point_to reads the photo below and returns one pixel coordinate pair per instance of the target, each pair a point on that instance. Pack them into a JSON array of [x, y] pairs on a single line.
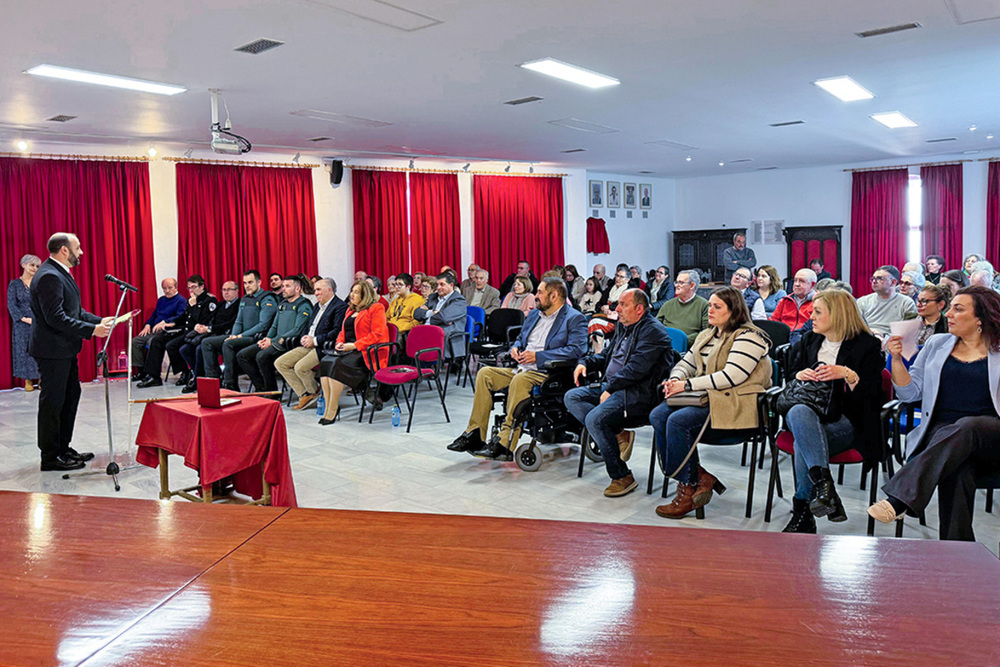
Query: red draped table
[[236, 440]]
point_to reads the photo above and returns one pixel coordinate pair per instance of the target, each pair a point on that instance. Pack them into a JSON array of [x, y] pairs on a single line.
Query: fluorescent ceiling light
[[83, 76], [893, 120], [845, 89], [571, 73]]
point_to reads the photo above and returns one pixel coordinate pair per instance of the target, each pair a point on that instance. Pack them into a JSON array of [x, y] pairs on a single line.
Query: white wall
[[636, 240], [806, 197]]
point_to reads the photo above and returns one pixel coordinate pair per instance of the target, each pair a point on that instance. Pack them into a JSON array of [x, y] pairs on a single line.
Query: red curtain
[[435, 231], [992, 216], [234, 218], [381, 242], [106, 204], [941, 211], [517, 217], [597, 237], [878, 224]]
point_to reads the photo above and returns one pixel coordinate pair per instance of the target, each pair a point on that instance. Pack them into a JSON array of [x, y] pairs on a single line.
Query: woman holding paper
[[956, 376]]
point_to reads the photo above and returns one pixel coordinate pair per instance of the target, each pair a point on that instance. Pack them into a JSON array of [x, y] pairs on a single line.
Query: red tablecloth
[[219, 443]]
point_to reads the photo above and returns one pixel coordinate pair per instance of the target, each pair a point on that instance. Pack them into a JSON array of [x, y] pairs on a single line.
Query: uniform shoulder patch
[[211, 306]]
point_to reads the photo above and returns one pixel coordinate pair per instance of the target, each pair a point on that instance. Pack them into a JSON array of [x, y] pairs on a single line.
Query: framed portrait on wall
[[614, 194], [596, 194], [645, 195], [630, 195]]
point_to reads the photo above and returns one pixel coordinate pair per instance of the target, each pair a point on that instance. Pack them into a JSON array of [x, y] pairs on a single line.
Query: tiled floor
[[378, 467]]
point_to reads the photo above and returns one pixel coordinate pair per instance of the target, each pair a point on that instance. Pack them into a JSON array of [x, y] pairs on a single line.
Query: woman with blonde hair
[[348, 366], [842, 350]]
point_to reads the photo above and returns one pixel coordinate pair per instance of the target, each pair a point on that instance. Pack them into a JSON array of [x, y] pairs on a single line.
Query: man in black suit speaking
[[58, 328]]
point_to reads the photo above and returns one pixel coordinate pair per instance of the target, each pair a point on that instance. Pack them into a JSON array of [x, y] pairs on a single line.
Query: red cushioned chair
[[785, 442], [425, 345]]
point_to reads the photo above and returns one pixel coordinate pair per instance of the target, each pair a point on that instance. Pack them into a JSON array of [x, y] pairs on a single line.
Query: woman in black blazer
[[851, 357]]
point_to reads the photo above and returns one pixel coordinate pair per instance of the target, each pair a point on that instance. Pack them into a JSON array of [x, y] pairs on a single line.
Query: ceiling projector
[[225, 145]]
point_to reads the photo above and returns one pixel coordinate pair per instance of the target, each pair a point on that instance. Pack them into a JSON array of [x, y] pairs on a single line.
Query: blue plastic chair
[[678, 339]]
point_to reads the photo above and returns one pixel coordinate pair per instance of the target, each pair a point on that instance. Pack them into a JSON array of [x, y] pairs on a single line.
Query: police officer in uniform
[[287, 328], [257, 309], [222, 323]]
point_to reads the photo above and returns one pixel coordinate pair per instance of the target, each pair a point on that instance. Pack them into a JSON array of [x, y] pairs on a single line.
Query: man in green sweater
[[290, 322], [686, 311]]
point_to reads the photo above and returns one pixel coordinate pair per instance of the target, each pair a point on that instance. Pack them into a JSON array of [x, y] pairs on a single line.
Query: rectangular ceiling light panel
[[676, 145], [572, 73], [341, 118], [584, 126], [96, 78], [893, 120], [845, 89], [381, 12]]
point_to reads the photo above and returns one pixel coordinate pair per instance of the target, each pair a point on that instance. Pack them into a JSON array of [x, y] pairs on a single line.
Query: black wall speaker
[[336, 172]]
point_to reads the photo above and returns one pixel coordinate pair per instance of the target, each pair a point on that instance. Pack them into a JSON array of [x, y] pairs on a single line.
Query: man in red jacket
[[796, 308]]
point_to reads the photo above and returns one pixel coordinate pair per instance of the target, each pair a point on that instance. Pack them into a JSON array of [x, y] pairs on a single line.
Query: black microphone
[[121, 283]]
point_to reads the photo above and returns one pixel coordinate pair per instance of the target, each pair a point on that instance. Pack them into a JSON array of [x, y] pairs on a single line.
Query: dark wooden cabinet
[[703, 250]]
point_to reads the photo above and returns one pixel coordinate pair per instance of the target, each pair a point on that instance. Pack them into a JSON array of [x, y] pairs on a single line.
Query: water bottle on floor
[[321, 406], [395, 415], [122, 361]]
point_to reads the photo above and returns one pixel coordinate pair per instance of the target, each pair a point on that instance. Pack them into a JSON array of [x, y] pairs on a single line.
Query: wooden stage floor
[[100, 581]]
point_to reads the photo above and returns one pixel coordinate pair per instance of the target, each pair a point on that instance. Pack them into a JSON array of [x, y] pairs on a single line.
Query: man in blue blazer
[[446, 308], [554, 331], [58, 328]]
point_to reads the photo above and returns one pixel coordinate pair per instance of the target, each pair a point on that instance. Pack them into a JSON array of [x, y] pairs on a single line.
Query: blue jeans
[[675, 430], [815, 443], [604, 421]]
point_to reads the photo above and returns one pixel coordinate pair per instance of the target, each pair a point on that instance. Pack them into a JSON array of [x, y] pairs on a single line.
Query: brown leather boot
[[707, 482], [681, 505]]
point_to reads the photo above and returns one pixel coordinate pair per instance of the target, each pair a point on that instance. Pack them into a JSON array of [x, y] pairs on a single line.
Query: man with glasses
[[911, 283], [796, 308], [168, 308], [885, 305], [686, 311], [741, 280], [189, 354]]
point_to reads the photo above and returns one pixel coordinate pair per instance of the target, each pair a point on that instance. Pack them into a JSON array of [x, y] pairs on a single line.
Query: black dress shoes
[[73, 454], [150, 381], [62, 463], [824, 501], [190, 387], [467, 442], [185, 379], [494, 451], [802, 519]]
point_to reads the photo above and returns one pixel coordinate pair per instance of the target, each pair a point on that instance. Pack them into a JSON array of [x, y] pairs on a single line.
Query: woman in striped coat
[[729, 361]]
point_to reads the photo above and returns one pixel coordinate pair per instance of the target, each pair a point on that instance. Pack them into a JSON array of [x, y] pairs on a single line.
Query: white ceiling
[[712, 74]]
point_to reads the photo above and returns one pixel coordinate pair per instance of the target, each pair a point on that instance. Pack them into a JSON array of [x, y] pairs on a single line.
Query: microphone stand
[[113, 469]]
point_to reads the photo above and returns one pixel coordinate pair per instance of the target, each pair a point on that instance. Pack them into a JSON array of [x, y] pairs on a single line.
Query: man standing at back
[[737, 256], [59, 326]]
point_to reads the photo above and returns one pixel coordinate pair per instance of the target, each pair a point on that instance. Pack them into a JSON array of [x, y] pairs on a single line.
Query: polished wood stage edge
[[322, 587], [77, 572]]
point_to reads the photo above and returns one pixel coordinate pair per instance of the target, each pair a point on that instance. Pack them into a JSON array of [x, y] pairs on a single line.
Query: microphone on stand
[[121, 283]]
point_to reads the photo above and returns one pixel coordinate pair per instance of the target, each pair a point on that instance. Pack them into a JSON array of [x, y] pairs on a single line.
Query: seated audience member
[[201, 305], [480, 293], [523, 271], [825, 284], [885, 305], [348, 366], [376, 284], [168, 308], [952, 281], [914, 266], [288, 326], [418, 282], [470, 281], [686, 311], [769, 293], [359, 275], [590, 298], [935, 267], [851, 358], [795, 309], [391, 289], [256, 311], [552, 332], [574, 283], [956, 377], [446, 308], [932, 302], [601, 278], [911, 283], [298, 365], [603, 323], [982, 274], [968, 262], [660, 289], [817, 266], [741, 280], [406, 302], [221, 324], [635, 278], [427, 288], [521, 296], [633, 362], [313, 279], [728, 360], [275, 283]]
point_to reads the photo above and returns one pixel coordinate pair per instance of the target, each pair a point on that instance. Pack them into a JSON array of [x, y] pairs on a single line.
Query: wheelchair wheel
[[528, 458], [591, 450]]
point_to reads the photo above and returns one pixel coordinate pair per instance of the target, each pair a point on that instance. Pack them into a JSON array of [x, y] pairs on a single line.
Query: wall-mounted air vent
[[887, 30], [524, 100], [61, 118], [259, 46], [941, 140]]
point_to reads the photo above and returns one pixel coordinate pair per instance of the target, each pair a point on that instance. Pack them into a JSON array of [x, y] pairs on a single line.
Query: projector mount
[[224, 141]]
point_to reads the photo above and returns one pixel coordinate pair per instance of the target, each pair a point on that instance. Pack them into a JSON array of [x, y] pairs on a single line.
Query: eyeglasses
[[879, 279], [904, 282], [678, 283], [924, 302]]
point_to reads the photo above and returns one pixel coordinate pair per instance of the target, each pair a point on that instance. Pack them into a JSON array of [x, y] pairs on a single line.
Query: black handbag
[[822, 397]]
